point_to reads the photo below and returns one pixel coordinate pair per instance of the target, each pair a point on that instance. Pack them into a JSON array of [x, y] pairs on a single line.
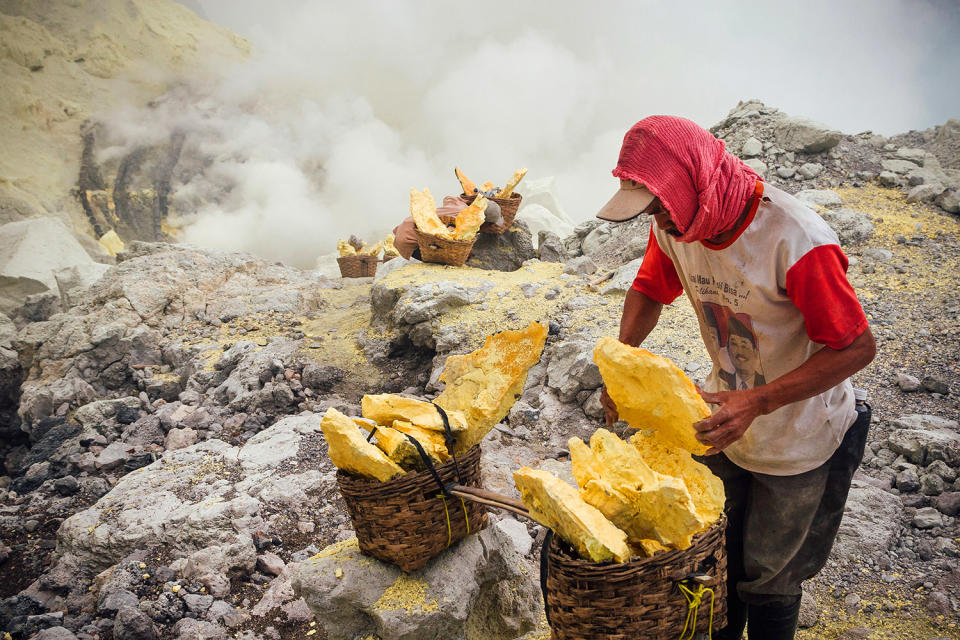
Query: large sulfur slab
[[555, 504], [423, 209], [469, 220], [350, 451], [485, 384], [615, 479], [384, 408], [651, 393], [433, 442], [507, 190], [705, 489]]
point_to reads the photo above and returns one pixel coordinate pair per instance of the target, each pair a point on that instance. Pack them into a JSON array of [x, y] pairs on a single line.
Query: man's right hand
[[609, 407]]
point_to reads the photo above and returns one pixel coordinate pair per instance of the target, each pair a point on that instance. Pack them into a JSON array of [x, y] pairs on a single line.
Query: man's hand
[[609, 407], [737, 411]]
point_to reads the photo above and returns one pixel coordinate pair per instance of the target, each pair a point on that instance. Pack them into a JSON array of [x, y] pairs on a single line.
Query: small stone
[[851, 600], [932, 484], [948, 503], [935, 385], [786, 172], [927, 518], [180, 438], [810, 170], [751, 148], [942, 469], [270, 563], [305, 526], [908, 481], [938, 604], [907, 382], [66, 486]]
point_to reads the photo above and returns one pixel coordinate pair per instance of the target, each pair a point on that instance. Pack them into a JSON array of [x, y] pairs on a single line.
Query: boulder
[[810, 170], [539, 195], [949, 201], [925, 446], [74, 280], [31, 251], [851, 227], [596, 238], [571, 369], [484, 588], [804, 134], [751, 148], [817, 198], [757, 165], [204, 502], [506, 251], [870, 520], [623, 277]]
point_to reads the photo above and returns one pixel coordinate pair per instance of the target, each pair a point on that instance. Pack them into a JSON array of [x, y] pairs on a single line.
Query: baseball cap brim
[[627, 203]]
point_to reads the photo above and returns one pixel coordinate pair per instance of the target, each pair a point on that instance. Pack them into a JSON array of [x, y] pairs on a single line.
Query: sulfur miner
[[767, 279]]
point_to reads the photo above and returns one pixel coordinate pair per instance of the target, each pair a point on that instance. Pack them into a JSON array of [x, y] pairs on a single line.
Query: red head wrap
[[702, 186]]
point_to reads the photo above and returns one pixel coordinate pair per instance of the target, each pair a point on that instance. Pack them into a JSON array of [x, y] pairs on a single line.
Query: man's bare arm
[[640, 315], [823, 370]]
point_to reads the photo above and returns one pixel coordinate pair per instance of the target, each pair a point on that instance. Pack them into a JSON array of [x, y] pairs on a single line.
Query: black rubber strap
[[372, 431], [429, 464], [450, 439], [545, 570]]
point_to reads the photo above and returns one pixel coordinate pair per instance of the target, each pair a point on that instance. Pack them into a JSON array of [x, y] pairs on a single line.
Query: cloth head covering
[[702, 186]]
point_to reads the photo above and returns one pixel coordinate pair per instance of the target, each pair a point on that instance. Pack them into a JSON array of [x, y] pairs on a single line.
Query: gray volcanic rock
[[804, 134], [494, 596], [870, 520], [203, 502]]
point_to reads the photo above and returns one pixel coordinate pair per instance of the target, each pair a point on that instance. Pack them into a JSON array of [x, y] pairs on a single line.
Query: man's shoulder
[[781, 217]]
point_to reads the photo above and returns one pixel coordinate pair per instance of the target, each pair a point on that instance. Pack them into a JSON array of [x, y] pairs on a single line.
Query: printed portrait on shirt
[[744, 354]]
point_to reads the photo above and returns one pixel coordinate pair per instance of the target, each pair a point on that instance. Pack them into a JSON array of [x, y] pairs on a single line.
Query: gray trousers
[[781, 528]]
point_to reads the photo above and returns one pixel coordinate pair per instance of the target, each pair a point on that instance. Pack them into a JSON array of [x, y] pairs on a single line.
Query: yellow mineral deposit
[[484, 384], [470, 219], [423, 208], [350, 451], [433, 442], [651, 393], [345, 249], [646, 505], [384, 408], [389, 248], [112, 242], [555, 504], [397, 447], [507, 190], [372, 251], [465, 183], [705, 489]]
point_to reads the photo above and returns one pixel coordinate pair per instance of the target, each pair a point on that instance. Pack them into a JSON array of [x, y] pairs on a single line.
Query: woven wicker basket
[[437, 249], [358, 266], [508, 208], [636, 599], [404, 521]]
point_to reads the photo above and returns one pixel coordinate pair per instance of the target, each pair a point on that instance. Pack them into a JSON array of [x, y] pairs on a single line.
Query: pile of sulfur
[[481, 387], [638, 497]]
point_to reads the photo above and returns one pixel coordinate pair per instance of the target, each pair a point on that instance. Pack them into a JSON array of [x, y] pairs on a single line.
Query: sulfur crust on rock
[[350, 451], [643, 503], [484, 384], [651, 393], [555, 504], [705, 489], [384, 408]]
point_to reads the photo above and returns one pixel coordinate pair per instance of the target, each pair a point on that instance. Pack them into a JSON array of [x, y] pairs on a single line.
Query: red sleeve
[[817, 284], [657, 276]]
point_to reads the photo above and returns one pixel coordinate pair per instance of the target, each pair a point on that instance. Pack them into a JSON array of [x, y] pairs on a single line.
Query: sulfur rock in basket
[[384, 408], [345, 249], [350, 451], [651, 393], [469, 221], [507, 190], [423, 208], [465, 183], [484, 384], [646, 505], [555, 504]]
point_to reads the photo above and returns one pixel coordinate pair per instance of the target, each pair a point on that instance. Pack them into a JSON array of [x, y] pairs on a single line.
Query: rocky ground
[[165, 476]]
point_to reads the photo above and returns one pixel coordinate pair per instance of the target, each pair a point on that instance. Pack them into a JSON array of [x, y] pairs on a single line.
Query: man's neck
[[726, 235]]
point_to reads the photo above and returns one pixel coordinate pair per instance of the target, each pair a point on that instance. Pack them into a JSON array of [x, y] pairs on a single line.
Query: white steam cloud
[[345, 106]]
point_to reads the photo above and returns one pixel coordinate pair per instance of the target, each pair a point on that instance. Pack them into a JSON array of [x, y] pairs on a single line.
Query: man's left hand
[[737, 411]]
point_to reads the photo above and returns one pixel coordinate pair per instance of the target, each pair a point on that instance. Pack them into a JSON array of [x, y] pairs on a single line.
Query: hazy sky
[[344, 106]]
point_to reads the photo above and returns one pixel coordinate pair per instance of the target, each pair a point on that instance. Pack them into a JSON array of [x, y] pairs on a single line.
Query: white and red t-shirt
[[767, 300]]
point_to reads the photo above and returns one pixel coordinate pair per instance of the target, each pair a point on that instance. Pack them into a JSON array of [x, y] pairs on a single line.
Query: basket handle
[[429, 464], [545, 571], [449, 439]]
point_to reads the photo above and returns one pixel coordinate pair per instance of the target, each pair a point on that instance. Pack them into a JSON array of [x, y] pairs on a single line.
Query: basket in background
[[508, 208], [358, 266]]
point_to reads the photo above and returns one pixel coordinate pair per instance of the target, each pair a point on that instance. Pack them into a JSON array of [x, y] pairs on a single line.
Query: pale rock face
[[804, 134], [820, 198], [495, 596], [203, 502], [871, 518]]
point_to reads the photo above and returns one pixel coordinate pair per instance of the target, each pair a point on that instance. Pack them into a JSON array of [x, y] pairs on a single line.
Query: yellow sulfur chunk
[[470, 219], [555, 504], [649, 547], [512, 183], [651, 393], [372, 251], [345, 249], [484, 384], [390, 249], [384, 408], [705, 489], [432, 442], [424, 212], [350, 451], [486, 186], [465, 183], [646, 505], [111, 242]]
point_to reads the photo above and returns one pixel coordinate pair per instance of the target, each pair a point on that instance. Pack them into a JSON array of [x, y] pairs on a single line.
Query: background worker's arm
[[640, 315], [823, 370]]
